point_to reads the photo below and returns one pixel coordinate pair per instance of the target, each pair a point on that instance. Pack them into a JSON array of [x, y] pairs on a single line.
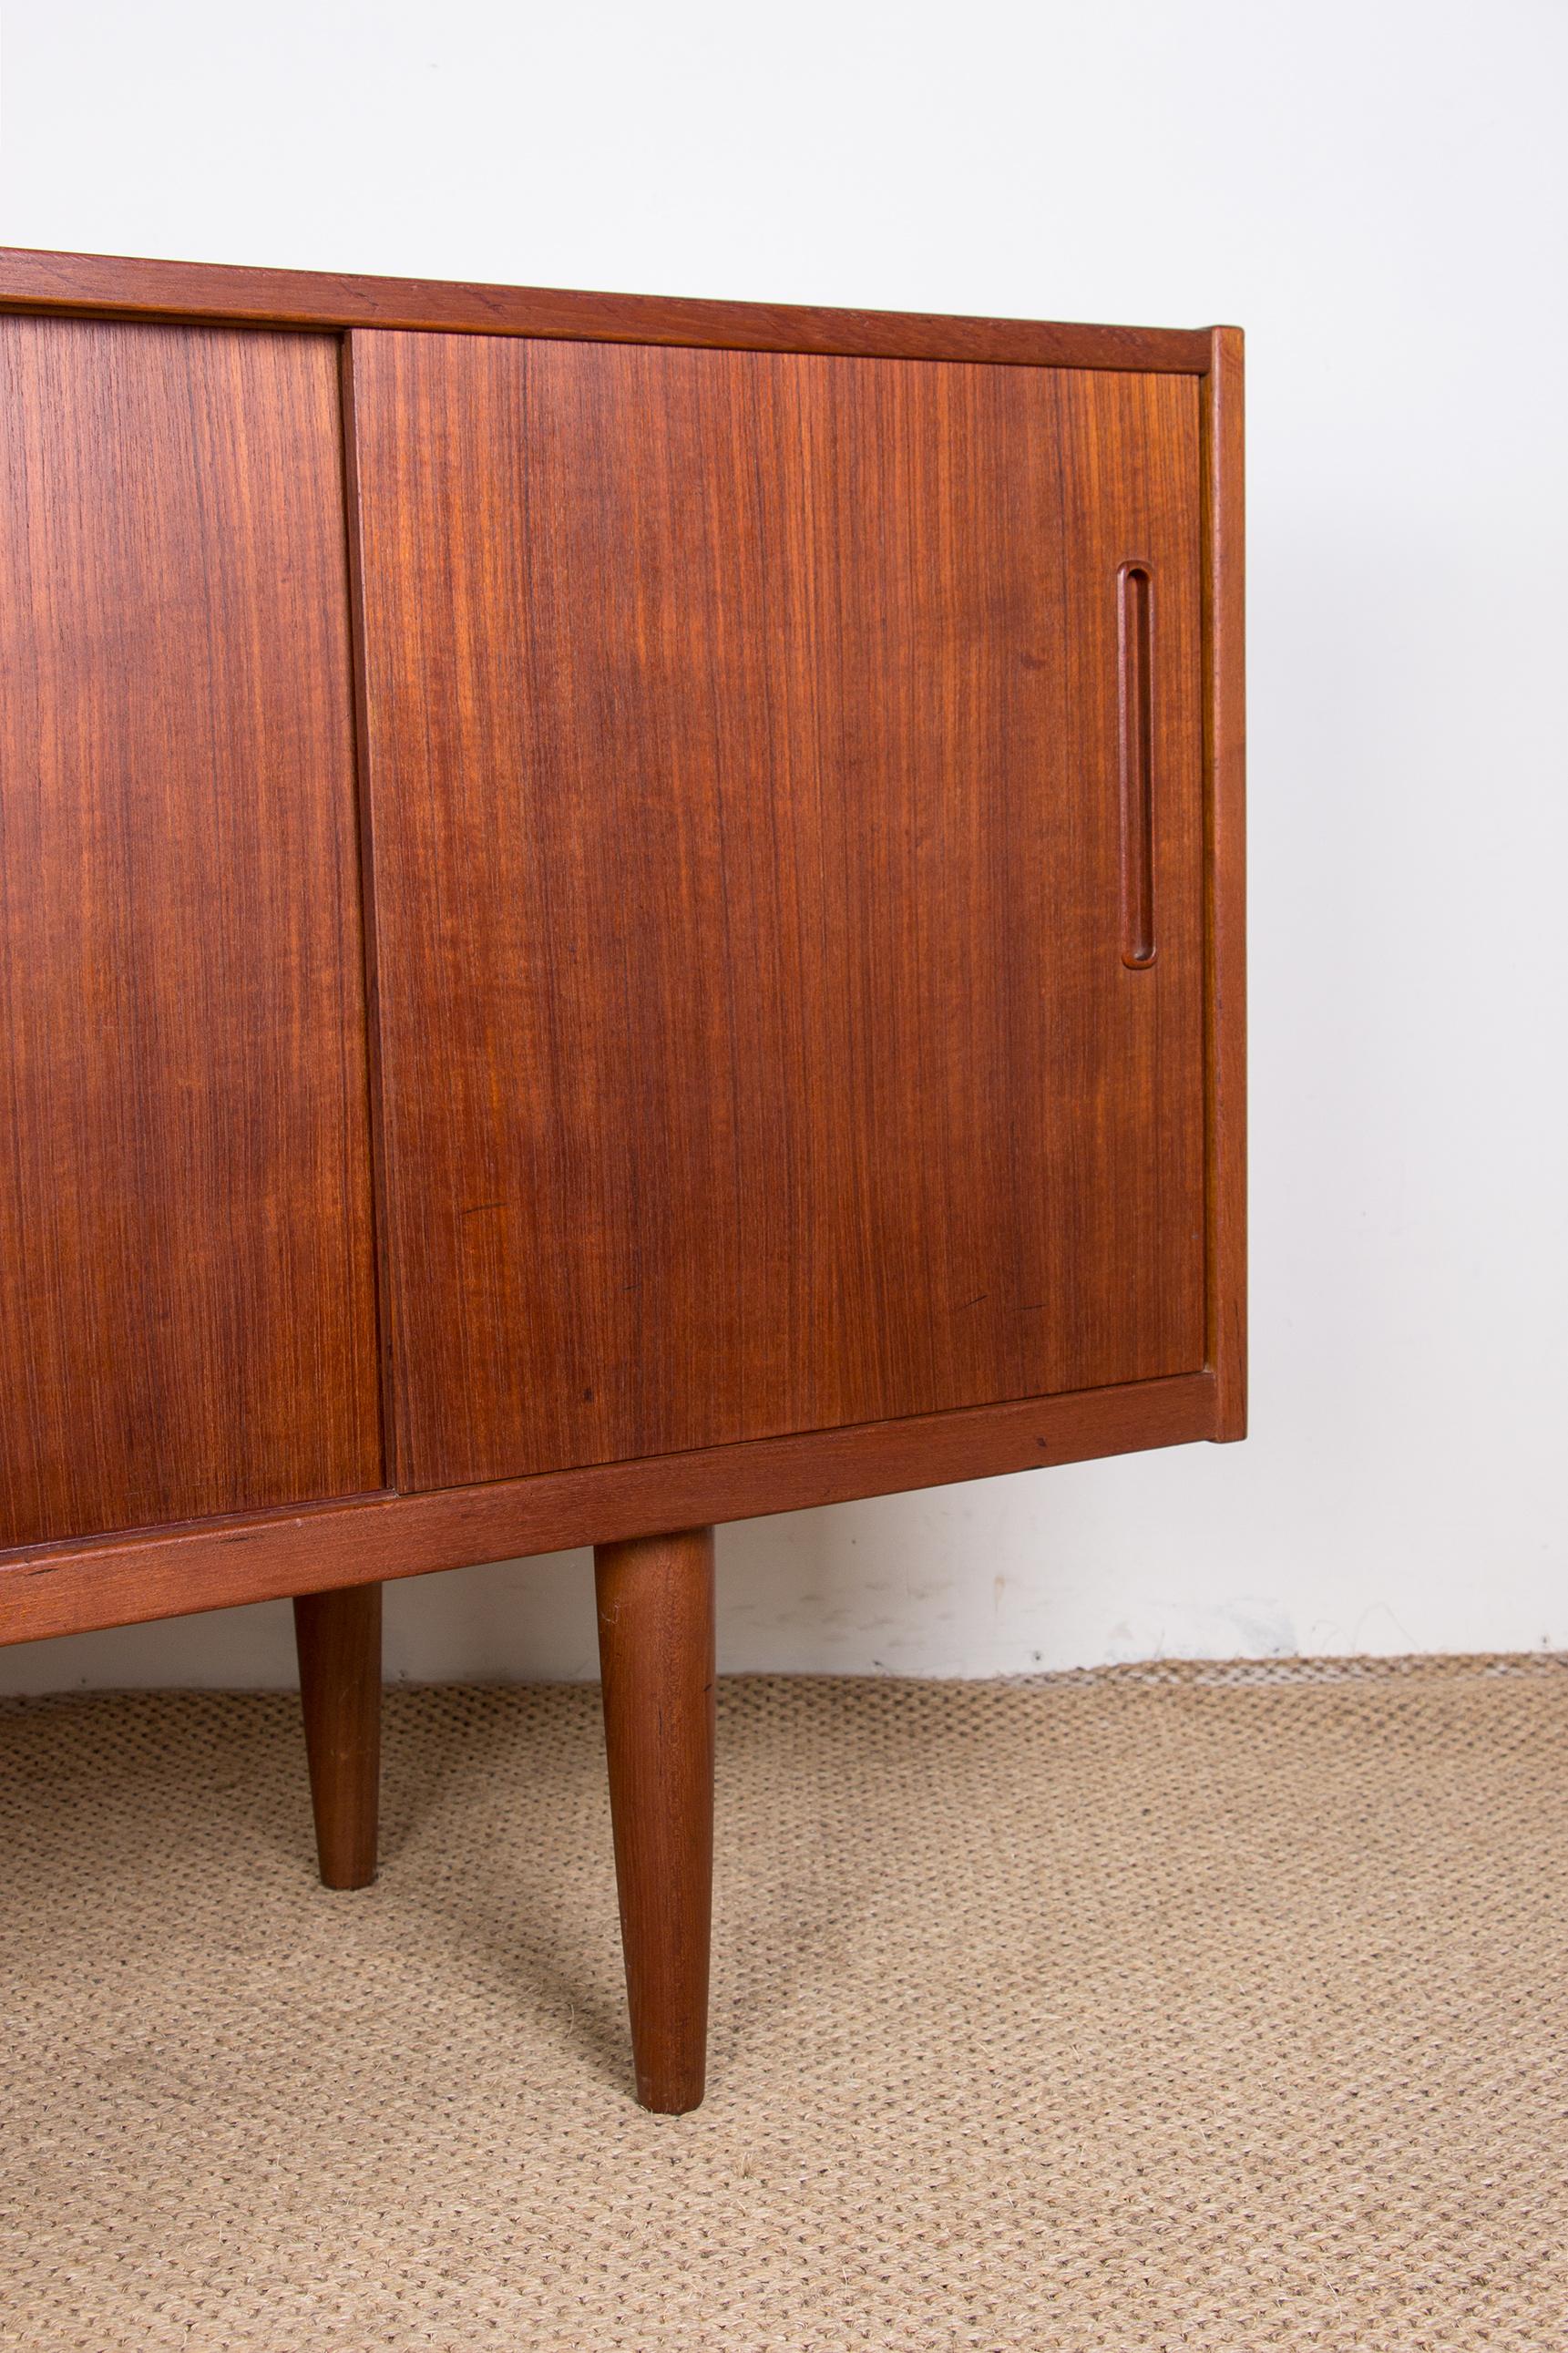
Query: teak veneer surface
[[758, 1052], [792, 761], [186, 1308]]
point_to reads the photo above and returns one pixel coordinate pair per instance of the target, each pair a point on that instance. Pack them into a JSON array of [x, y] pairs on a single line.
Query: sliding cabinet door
[[187, 1289], [787, 809]]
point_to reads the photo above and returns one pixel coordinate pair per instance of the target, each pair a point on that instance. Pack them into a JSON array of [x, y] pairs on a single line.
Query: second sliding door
[[786, 813]]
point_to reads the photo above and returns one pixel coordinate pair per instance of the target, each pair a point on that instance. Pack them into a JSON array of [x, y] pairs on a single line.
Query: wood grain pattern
[[1225, 869], [67, 1590], [757, 1050], [654, 1607], [338, 1636], [188, 290], [186, 1315]]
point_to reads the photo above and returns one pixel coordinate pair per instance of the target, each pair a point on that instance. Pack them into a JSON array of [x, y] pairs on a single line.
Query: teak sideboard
[[614, 914]]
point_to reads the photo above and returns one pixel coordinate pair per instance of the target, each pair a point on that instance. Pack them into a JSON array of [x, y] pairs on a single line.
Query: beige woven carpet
[[1219, 2008]]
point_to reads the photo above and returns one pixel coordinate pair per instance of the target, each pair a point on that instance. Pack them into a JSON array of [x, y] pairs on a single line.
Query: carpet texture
[[1221, 2008]]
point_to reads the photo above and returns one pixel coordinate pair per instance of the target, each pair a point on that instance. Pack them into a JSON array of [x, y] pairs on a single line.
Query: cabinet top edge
[[110, 285]]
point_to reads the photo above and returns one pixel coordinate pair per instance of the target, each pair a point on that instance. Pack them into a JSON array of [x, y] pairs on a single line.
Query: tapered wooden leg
[[656, 1657], [339, 1639]]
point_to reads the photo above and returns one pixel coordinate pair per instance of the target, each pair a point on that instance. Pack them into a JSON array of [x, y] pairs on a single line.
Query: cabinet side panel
[[1224, 501], [186, 1306]]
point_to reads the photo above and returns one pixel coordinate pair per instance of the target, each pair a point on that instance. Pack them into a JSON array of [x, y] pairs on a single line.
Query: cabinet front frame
[[129, 1577]]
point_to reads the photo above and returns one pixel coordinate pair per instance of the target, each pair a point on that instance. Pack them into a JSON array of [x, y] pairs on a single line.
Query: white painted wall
[[1376, 190]]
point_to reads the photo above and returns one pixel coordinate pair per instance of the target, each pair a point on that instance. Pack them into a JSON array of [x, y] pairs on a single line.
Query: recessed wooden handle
[[1135, 640]]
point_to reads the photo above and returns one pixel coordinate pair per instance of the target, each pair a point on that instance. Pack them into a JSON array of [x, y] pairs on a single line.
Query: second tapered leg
[[339, 1639], [656, 1655]]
